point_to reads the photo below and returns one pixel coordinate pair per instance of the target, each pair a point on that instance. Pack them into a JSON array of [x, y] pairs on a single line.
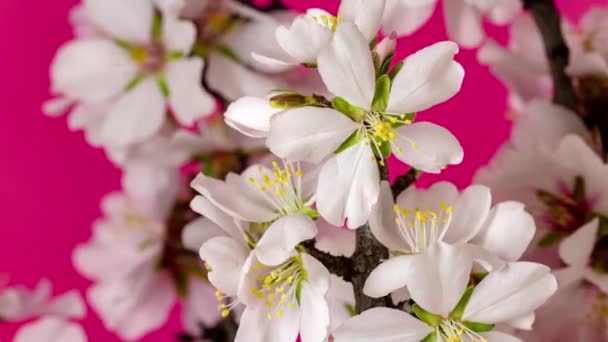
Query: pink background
[[51, 181]]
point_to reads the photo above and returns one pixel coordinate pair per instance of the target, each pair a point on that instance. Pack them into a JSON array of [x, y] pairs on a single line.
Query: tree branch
[[404, 181], [223, 331], [548, 21], [338, 265]]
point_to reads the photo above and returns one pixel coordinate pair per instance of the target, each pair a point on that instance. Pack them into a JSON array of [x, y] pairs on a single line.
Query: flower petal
[[463, 23], [137, 115], [576, 249], [428, 77], [347, 68], [280, 239], [508, 231], [470, 211], [349, 184], [428, 147], [314, 315], [130, 21], [390, 275], [318, 275], [204, 207], [304, 40], [50, 329], [337, 241], [91, 70], [69, 305], [226, 257], [382, 220], [405, 19], [178, 35], [440, 276], [199, 231], [187, 97], [199, 306], [308, 133], [497, 336], [598, 279], [366, 15], [382, 325], [250, 116], [510, 293]]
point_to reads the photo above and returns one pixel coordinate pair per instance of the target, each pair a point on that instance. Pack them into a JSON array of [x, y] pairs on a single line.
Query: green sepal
[[603, 226], [163, 85], [458, 311], [352, 311], [310, 65], [383, 91], [373, 42], [551, 239], [432, 337], [351, 141], [134, 82], [299, 292], [123, 44], [385, 150], [477, 277], [427, 317], [175, 55], [479, 327], [579, 189], [157, 27], [353, 112], [386, 63], [377, 62], [310, 212], [288, 100], [395, 70], [408, 116], [200, 50], [227, 52]]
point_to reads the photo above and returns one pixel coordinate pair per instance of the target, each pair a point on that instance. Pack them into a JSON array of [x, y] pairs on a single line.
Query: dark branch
[[548, 21], [224, 331], [274, 5], [338, 265], [404, 181]]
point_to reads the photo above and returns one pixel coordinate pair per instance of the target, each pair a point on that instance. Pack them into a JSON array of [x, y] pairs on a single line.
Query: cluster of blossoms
[[254, 148]]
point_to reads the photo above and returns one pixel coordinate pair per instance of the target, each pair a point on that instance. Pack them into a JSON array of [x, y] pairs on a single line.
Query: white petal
[[137, 115], [440, 276], [226, 257], [576, 249], [390, 275], [382, 325], [50, 329], [337, 241], [304, 40], [382, 220], [314, 315], [428, 77], [504, 11], [349, 184], [524, 322], [507, 232], [280, 239], [69, 305], [569, 275], [340, 298], [347, 68], [598, 279], [463, 23], [403, 18], [250, 116], [308, 133], [367, 15], [187, 97], [91, 70], [318, 275], [130, 21], [204, 207], [199, 231], [497, 336], [510, 293], [428, 147], [470, 212], [178, 35], [432, 197], [222, 194], [199, 306]]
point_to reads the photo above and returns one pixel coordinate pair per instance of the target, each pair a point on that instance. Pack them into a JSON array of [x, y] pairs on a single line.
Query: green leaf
[[383, 91], [479, 327], [353, 112], [432, 337], [551, 239], [163, 85], [456, 314], [427, 317], [395, 70], [352, 140]]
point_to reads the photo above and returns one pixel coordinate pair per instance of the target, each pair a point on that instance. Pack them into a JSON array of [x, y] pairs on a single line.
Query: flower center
[[282, 187], [279, 286], [325, 19], [568, 210], [150, 58], [454, 331], [378, 130], [420, 229]]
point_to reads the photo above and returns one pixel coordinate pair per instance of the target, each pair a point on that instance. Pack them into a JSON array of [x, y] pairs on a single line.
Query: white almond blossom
[[138, 66], [588, 41], [371, 122], [463, 18], [131, 293], [311, 33], [448, 310], [53, 315], [424, 224]]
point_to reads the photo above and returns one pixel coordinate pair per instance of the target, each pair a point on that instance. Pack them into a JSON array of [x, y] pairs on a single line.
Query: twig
[[223, 331], [338, 265], [404, 181], [548, 21], [275, 5]]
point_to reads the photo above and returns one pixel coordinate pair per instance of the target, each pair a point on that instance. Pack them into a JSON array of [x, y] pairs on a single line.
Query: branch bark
[[548, 20]]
